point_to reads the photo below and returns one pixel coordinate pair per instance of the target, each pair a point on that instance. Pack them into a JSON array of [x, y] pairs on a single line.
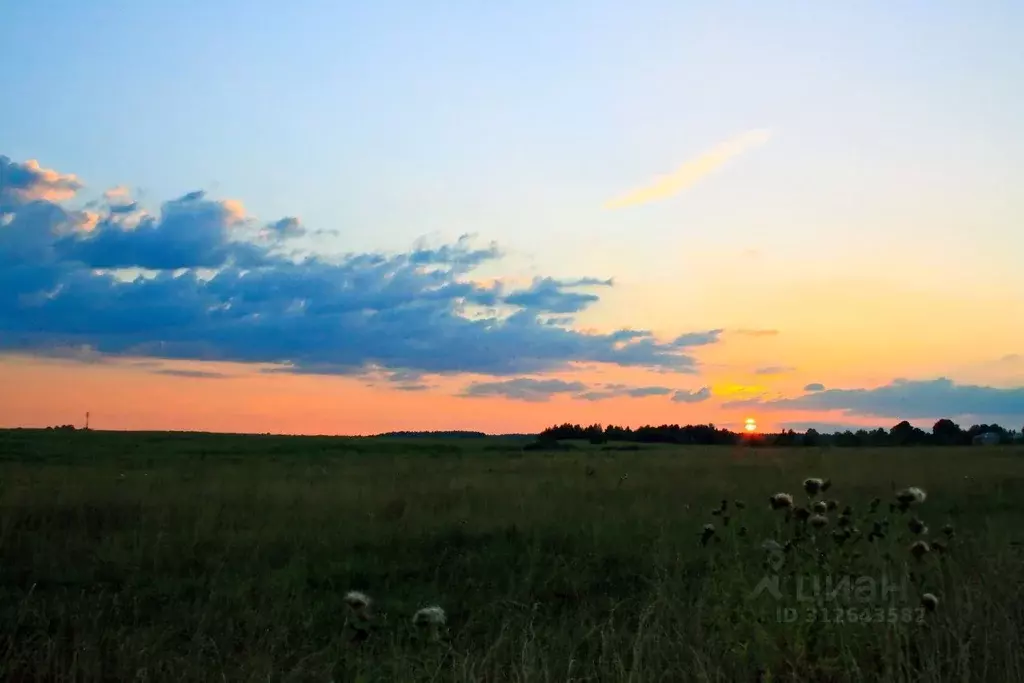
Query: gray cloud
[[538, 390], [524, 389], [553, 296], [908, 399], [188, 284], [823, 427], [774, 370], [815, 386], [195, 374], [697, 396], [23, 183]]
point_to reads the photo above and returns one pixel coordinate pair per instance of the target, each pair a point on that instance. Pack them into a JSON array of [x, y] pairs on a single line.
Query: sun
[[751, 425]]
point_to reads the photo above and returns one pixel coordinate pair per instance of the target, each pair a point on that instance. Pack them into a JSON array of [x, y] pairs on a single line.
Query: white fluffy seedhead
[[429, 616], [357, 601]]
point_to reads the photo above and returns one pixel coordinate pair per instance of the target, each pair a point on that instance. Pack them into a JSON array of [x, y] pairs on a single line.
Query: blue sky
[[892, 170]]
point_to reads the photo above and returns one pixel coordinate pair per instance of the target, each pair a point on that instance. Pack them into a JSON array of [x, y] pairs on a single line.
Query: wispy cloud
[[698, 396], [774, 370], [192, 374], [756, 332], [907, 399], [538, 390], [691, 171]]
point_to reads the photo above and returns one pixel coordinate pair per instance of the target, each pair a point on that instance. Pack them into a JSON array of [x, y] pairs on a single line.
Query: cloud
[[539, 390], [692, 171], [908, 399], [551, 295], [699, 396], [191, 232], [756, 332], [27, 182], [524, 389], [1012, 358], [195, 283], [822, 427], [814, 386], [286, 227], [774, 370], [607, 391], [194, 374]]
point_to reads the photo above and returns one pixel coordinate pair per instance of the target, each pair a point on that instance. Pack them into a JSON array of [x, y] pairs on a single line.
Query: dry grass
[[161, 557]]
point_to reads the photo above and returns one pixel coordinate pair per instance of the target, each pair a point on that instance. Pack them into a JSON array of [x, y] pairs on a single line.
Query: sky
[[320, 217]]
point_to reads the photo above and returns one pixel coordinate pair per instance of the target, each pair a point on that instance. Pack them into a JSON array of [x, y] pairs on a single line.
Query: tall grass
[[188, 557]]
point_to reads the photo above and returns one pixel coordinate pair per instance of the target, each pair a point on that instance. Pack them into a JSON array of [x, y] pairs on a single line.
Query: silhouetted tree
[[947, 432]]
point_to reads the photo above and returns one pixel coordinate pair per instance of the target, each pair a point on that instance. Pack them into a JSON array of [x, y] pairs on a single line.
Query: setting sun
[[751, 425]]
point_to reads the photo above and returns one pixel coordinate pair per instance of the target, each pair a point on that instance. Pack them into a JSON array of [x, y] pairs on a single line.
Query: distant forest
[[944, 432]]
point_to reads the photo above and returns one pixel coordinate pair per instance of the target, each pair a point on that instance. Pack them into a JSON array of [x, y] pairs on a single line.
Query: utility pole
[[87, 419]]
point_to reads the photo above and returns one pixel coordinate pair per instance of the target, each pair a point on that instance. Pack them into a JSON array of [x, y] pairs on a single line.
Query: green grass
[[158, 557]]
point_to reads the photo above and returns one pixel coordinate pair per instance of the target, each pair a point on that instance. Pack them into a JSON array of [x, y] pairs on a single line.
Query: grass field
[[153, 557]]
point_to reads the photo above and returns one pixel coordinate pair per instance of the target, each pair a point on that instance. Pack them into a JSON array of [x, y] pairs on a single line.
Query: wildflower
[[875, 502], [845, 520], [432, 618], [840, 535], [848, 511], [707, 533], [826, 485], [429, 615], [743, 531], [359, 602], [948, 530], [917, 526], [831, 505], [813, 485], [929, 602], [911, 496], [820, 507], [802, 514], [739, 504], [819, 521], [781, 500], [939, 546], [877, 531], [919, 549]]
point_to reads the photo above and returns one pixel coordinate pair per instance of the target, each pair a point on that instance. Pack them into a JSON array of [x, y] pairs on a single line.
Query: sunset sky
[[331, 217]]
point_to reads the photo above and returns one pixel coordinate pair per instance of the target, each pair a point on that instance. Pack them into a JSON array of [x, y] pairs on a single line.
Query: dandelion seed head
[[911, 495], [819, 521], [780, 501], [917, 526], [429, 616], [812, 485], [357, 600], [819, 507]]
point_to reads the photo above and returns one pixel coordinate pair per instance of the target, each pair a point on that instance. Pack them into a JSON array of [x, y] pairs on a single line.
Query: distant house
[[986, 439]]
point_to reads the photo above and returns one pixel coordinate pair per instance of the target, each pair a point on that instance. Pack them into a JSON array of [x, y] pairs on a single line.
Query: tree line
[[944, 432]]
